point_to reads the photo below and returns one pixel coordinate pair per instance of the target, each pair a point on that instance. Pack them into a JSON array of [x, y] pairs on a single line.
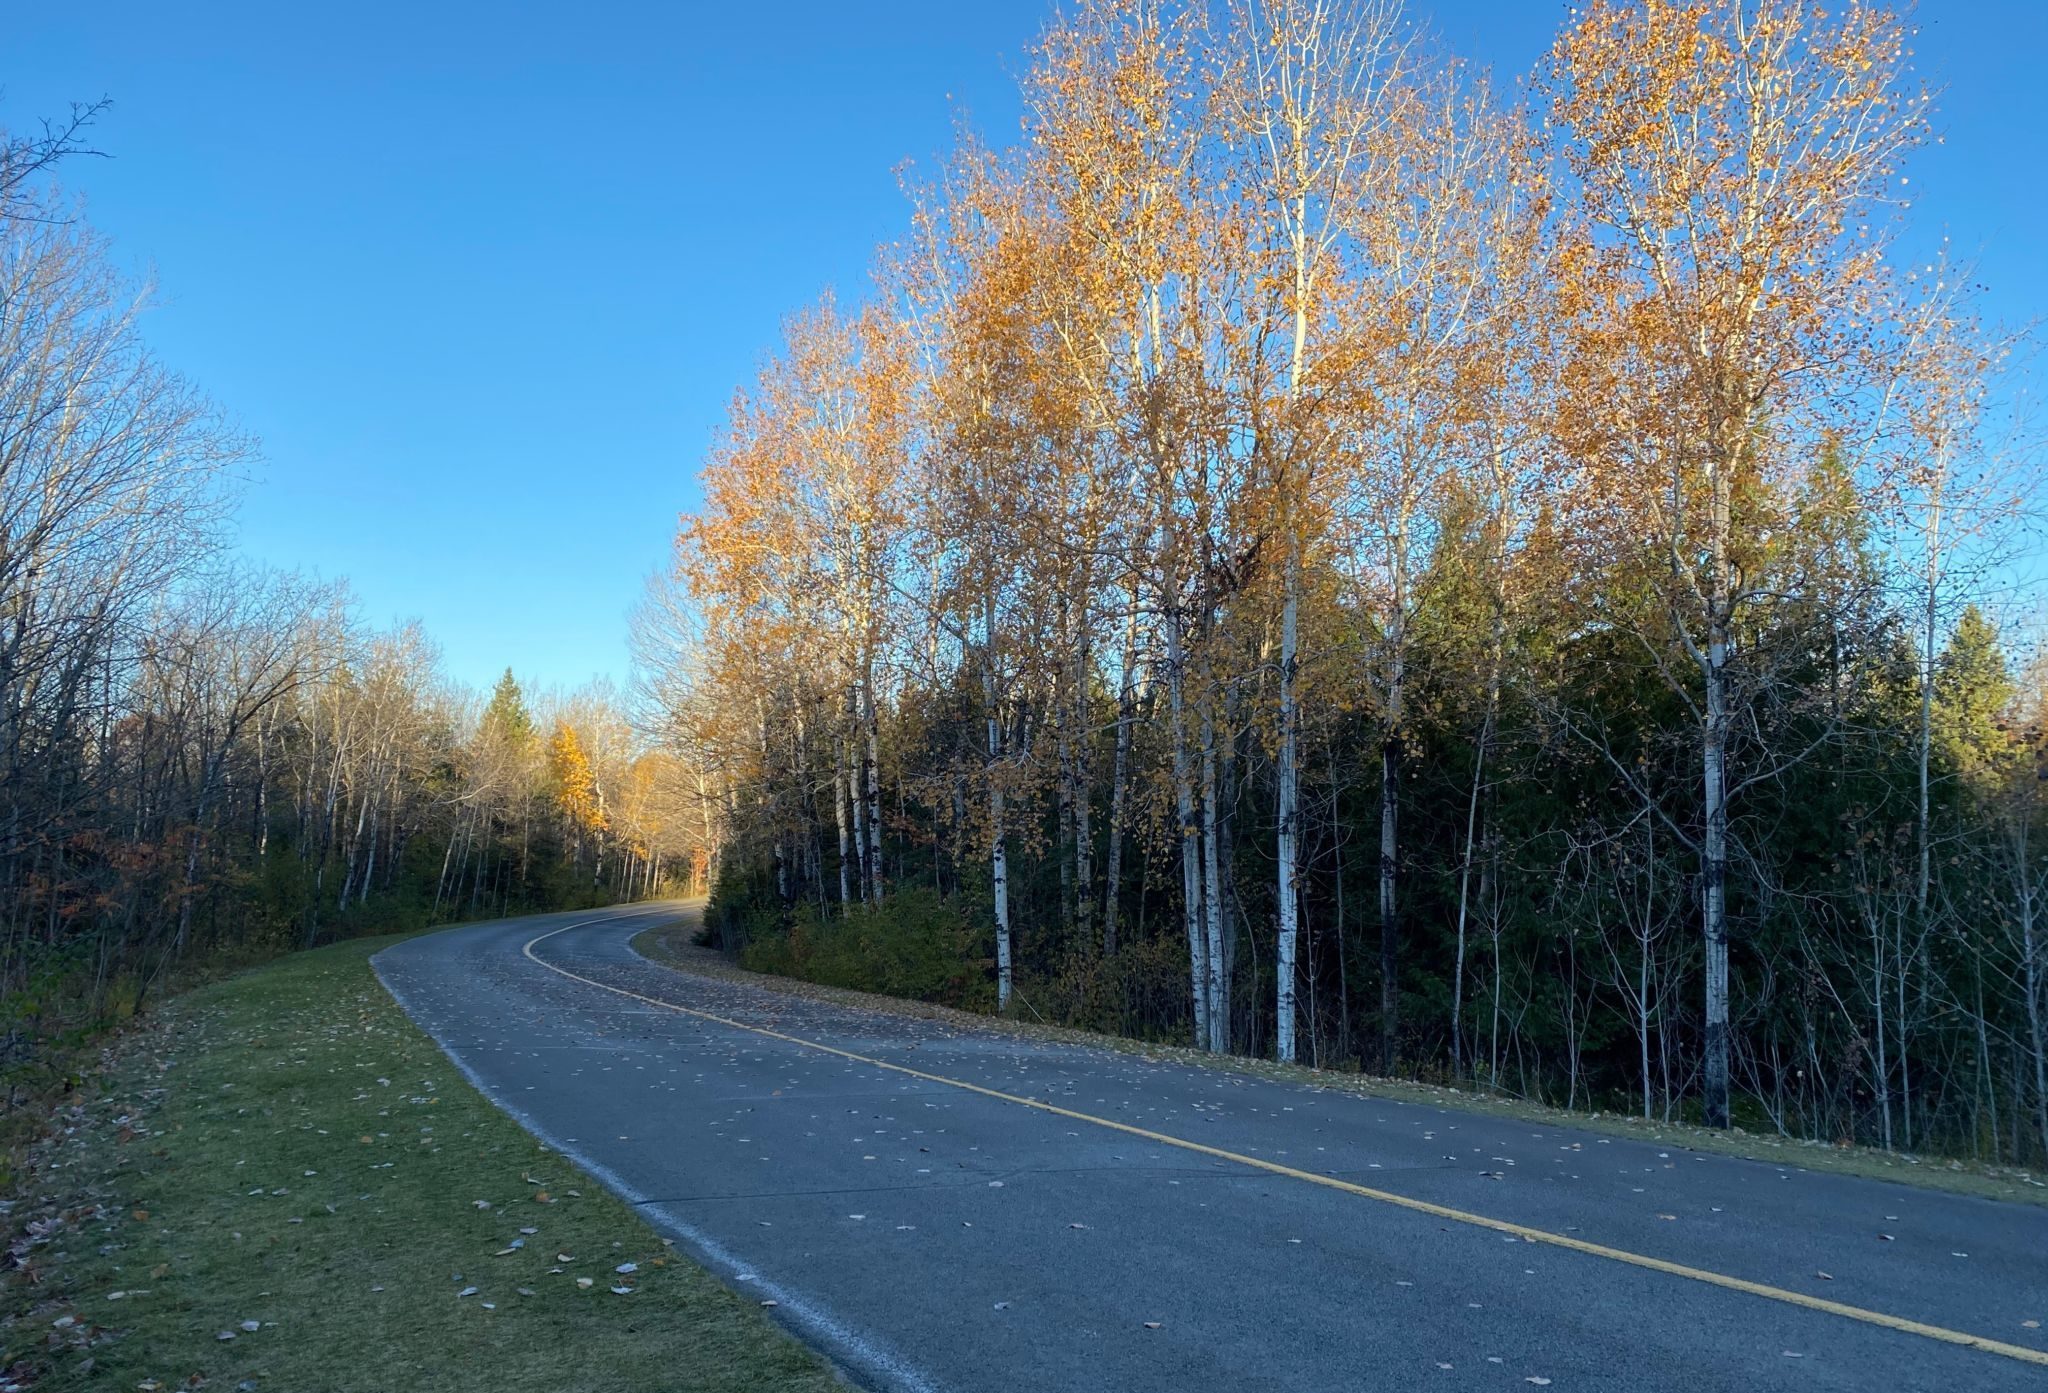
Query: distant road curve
[[962, 1209]]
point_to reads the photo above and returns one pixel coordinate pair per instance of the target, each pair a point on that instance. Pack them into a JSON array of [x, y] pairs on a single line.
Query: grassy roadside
[[671, 943], [283, 1184]]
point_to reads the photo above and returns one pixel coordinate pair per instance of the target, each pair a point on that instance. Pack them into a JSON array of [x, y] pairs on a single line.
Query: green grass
[[286, 1148], [673, 944]]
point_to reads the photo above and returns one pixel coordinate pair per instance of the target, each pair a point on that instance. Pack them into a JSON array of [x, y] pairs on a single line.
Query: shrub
[[913, 944]]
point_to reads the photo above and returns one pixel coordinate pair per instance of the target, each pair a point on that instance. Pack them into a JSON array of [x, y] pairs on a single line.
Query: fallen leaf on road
[[771, 1303], [1538, 1380], [1825, 1276], [1152, 1325]]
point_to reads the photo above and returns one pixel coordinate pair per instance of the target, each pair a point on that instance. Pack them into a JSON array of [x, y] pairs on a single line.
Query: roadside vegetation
[[280, 1183], [689, 947], [1320, 553], [205, 764]]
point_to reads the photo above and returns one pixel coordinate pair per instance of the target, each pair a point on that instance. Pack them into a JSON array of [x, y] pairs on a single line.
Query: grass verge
[[672, 944], [283, 1184]]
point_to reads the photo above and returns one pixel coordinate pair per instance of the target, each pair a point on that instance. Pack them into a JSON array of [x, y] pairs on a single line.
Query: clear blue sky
[[482, 277]]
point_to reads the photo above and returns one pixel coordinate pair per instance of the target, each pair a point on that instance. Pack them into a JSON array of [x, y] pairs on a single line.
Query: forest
[[202, 762], [1315, 551]]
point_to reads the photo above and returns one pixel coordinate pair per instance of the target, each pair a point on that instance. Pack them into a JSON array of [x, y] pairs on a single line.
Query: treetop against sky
[[481, 278]]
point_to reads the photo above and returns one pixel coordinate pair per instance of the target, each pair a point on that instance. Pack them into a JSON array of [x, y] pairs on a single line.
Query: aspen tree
[[1735, 162]]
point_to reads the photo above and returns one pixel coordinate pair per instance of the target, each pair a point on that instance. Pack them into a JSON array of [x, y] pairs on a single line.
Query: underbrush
[[913, 945]]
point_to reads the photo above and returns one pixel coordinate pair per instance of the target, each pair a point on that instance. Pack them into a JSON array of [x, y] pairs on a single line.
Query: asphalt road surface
[[997, 1212]]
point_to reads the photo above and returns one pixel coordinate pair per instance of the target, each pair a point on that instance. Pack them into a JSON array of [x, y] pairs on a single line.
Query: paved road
[[929, 1236]]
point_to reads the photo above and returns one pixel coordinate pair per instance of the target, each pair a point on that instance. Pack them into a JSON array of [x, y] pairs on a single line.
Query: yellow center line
[[1437, 1211]]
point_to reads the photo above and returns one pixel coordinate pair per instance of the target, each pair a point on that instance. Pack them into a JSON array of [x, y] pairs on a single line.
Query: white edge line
[[862, 1357]]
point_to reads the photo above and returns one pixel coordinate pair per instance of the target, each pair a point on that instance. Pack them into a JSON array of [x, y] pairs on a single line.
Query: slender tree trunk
[[1212, 900], [1126, 702], [1288, 815], [1465, 878], [1390, 924], [1190, 826], [1713, 890], [1084, 822], [999, 863], [1884, 1073], [841, 797], [872, 785], [2030, 968]]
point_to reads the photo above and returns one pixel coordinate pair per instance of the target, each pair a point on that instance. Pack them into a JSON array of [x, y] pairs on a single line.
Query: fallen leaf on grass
[[585, 1283]]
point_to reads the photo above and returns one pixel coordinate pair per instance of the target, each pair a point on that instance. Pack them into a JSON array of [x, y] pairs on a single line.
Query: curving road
[[945, 1208]]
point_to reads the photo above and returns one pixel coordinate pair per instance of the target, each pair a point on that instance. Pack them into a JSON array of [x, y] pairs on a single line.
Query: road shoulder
[[671, 944], [281, 1182]]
